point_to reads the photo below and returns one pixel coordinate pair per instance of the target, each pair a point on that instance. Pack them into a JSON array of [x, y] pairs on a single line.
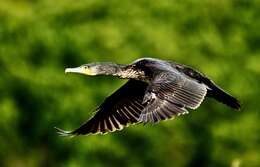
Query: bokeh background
[[40, 38]]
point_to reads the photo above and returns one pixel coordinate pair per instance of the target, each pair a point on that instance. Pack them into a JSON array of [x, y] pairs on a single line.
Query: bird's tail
[[223, 97]]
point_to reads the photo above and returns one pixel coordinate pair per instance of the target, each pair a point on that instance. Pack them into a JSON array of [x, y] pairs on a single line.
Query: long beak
[[74, 70], [80, 70]]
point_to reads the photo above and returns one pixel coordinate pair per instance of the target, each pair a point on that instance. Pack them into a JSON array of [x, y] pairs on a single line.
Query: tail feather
[[223, 97]]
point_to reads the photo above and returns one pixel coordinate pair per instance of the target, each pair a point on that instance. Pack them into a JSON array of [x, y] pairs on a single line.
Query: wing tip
[[64, 133]]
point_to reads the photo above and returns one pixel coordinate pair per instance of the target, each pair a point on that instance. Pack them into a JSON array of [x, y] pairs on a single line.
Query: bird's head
[[86, 69], [95, 69]]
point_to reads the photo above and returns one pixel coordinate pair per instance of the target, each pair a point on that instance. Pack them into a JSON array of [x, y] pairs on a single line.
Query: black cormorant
[[156, 90]]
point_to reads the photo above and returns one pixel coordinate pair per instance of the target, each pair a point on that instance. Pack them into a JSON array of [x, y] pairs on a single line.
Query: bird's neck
[[128, 73], [119, 70]]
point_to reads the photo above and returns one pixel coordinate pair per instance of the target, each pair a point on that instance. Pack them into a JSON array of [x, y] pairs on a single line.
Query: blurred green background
[[40, 38]]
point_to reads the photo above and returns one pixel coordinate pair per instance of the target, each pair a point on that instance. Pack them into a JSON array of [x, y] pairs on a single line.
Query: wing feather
[[170, 96], [118, 110]]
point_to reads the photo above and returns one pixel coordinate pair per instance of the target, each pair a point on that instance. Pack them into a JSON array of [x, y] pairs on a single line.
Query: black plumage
[[157, 90]]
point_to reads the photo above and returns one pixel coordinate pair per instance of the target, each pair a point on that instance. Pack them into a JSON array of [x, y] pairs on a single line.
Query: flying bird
[[156, 90]]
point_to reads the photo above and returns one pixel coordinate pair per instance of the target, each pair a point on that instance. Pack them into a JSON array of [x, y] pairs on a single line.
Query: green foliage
[[39, 38]]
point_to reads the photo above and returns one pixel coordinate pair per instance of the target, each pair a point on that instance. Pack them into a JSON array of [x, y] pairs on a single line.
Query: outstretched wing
[[169, 95], [123, 107]]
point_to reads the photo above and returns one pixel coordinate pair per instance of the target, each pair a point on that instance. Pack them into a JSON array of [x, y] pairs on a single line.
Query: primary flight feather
[[156, 90]]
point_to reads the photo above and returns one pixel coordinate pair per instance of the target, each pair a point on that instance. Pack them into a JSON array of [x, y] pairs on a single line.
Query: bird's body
[[157, 90]]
